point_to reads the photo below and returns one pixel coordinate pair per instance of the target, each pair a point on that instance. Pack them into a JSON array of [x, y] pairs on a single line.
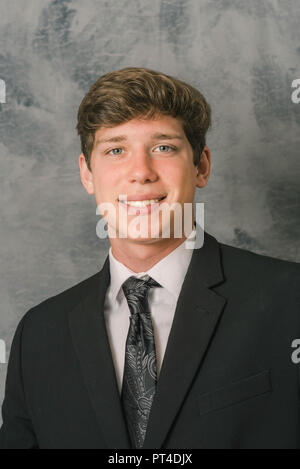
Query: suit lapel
[[88, 330], [196, 317]]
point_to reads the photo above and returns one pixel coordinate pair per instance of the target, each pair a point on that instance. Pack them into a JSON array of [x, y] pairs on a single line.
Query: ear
[[203, 168], [86, 175]]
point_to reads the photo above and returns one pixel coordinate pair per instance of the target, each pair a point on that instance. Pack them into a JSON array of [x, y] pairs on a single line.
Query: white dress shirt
[[169, 272]]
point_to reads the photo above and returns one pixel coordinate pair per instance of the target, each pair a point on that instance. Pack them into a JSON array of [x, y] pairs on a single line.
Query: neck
[[140, 257], [142, 254]]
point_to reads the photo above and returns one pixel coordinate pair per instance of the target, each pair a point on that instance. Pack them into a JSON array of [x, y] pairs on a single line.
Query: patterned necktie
[[140, 370]]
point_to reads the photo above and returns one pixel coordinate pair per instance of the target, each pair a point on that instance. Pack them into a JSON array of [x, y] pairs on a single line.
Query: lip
[[132, 198], [141, 210]]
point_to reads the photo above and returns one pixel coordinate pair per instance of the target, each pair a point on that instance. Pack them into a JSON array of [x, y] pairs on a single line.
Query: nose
[[141, 168]]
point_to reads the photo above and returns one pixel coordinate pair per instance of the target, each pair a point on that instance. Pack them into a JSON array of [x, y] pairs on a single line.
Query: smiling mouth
[[141, 203]]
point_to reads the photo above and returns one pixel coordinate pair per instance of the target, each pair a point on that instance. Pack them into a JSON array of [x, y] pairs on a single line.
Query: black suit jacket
[[227, 378]]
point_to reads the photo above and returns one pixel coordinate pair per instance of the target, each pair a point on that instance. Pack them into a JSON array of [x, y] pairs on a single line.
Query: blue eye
[[116, 149], [160, 146], [166, 146]]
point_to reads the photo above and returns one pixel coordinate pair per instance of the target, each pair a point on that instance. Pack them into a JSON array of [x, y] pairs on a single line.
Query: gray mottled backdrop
[[242, 54]]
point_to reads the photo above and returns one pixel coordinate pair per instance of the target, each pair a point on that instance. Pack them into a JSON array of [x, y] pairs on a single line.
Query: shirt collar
[[169, 272]]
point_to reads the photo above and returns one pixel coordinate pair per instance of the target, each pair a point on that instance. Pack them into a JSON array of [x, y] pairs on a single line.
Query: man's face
[[142, 161]]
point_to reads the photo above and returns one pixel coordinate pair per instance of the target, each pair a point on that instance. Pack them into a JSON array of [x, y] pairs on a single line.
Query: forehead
[[149, 128]]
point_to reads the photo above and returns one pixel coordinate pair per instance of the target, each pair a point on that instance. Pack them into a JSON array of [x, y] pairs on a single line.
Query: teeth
[[140, 203]]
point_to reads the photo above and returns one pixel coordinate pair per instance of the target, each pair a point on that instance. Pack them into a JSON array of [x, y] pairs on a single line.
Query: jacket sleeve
[[17, 430]]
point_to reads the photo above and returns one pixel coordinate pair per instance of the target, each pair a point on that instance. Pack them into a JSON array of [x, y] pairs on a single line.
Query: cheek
[[102, 189], [104, 178], [171, 174], [179, 177]]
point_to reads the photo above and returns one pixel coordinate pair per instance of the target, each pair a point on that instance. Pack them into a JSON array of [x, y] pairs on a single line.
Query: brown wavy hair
[[133, 92]]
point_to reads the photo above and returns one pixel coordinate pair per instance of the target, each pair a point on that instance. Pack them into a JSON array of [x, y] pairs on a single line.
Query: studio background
[[243, 56]]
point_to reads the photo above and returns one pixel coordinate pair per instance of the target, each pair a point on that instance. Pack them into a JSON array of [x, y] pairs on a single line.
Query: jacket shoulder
[[55, 308], [259, 267], [250, 256]]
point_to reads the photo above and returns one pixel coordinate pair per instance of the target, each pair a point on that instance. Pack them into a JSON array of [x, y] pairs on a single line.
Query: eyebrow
[[122, 138]]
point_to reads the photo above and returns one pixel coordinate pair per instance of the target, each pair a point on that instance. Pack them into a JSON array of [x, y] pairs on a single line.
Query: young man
[[166, 346]]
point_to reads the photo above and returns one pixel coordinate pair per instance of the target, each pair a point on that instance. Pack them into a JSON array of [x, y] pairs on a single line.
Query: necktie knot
[[136, 289]]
